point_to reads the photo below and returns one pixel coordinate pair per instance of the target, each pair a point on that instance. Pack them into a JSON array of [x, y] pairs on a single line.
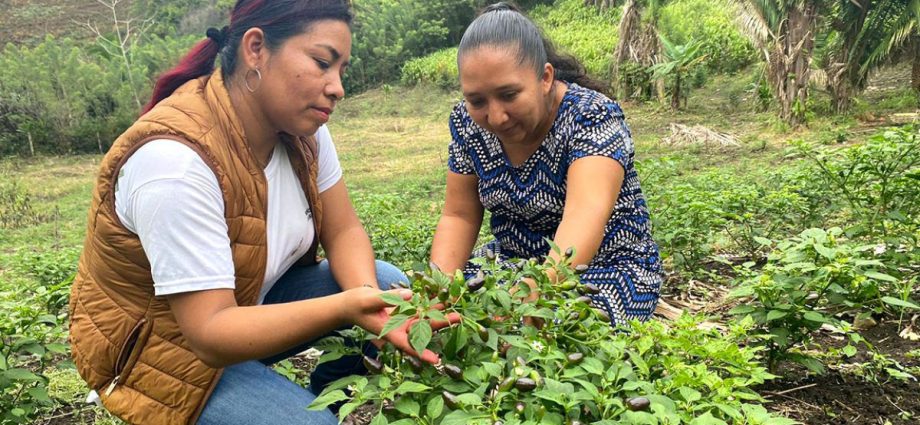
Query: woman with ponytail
[[199, 268], [537, 144]]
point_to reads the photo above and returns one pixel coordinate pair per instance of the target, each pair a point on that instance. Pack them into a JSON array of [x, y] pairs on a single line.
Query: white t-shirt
[[171, 199]]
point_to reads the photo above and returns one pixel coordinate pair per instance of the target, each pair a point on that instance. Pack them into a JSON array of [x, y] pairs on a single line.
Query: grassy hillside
[[29, 21]]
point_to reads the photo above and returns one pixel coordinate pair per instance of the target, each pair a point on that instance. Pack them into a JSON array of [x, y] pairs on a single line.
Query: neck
[[552, 109], [260, 136]]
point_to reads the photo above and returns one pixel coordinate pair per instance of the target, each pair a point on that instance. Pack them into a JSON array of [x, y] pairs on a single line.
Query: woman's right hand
[[365, 308]]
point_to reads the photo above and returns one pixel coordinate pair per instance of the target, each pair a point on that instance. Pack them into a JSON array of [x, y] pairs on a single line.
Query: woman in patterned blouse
[[551, 158]]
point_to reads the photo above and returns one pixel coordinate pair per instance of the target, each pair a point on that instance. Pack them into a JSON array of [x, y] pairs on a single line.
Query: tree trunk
[[915, 71], [629, 23], [31, 144], [638, 43], [789, 63], [844, 76], [675, 95]]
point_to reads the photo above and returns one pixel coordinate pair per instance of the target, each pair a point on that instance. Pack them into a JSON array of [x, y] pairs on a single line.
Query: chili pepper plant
[[498, 367]]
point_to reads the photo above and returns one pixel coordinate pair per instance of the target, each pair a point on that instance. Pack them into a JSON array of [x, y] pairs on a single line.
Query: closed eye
[[322, 64]]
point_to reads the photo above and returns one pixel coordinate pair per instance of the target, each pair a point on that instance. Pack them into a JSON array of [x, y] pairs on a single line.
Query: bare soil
[[846, 395]]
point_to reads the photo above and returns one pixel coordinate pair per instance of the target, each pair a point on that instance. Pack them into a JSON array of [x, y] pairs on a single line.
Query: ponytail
[[199, 61], [279, 20]]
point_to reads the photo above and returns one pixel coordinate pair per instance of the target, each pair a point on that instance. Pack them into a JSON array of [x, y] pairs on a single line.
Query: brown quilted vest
[[125, 341]]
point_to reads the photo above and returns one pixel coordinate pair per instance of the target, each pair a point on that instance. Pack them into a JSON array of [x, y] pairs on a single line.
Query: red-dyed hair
[[278, 19]]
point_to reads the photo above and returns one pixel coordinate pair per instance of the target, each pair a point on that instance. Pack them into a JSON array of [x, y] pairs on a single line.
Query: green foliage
[[16, 208], [573, 368], [712, 23], [167, 15], [586, 33], [693, 219], [387, 33], [679, 61], [31, 336], [806, 282], [67, 98], [438, 68], [399, 233], [879, 180]]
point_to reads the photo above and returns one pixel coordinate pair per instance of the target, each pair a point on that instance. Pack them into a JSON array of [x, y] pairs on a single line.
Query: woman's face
[[505, 97], [302, 79]]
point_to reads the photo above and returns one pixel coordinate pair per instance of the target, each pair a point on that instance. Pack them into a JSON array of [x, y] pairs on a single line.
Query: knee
[[388, 274]]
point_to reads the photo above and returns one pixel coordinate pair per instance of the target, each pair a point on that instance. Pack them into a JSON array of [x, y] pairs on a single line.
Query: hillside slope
[[29, 21]]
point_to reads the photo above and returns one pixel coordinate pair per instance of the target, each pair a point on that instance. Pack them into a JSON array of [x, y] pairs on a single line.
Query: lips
[[323, 112]]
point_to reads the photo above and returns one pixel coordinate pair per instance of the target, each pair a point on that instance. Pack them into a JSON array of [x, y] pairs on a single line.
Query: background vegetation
[[800, 243]]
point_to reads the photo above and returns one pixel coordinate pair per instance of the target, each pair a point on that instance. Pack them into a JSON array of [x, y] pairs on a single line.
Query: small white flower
[[538, 346], [880, 249]]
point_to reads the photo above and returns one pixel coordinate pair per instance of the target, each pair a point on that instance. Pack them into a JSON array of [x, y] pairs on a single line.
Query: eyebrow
[[335, 53], [499, 89]]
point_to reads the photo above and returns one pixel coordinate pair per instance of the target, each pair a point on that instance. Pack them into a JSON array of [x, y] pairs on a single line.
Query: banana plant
[[680, 60]]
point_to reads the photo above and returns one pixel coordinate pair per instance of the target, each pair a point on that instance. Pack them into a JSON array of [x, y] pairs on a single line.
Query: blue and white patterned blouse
[[527, 202]]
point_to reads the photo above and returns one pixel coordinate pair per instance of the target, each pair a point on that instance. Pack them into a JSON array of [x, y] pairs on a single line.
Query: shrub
[[586, 33], [63, 96], [807, 281], [573, 368], [399, 233], [388, 33], [879, 180], [438, 68], [711, 22]]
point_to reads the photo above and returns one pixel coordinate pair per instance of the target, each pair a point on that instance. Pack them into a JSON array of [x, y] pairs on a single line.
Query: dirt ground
[[846, 395]]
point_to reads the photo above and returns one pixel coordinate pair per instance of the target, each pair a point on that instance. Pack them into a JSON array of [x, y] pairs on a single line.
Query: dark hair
[[278, 19], [503, 24]]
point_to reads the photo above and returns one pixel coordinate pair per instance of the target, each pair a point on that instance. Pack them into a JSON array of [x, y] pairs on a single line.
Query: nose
[[497, 116], [334, 87]]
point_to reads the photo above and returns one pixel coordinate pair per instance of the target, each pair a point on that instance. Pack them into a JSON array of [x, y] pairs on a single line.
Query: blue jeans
[[251, 393]]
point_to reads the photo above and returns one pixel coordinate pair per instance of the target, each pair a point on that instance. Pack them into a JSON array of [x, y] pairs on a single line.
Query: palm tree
[[866, 34], [784, 32], [638, 43]]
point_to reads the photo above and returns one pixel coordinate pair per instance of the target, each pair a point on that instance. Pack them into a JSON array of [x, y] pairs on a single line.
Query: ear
[[548, 77], [253, 52]]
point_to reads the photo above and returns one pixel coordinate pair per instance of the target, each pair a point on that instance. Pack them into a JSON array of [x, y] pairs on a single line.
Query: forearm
[[237, 334], [453, 242], [351, 258]]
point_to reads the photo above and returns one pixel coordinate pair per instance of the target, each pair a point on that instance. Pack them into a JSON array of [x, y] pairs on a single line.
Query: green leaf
[[593, 366], [776, 315], [420, 335], [408, 406], [40, 394], [435, 406], [459, 417], [380, 419], [394, 322], [411, 387], [470, 399], [900, 303], [393, 299], [707, 419], [58, 348], [327, 398], [829, 253], [742, 309], [19, 374], [880, 276], [814, 316], [849, 351]]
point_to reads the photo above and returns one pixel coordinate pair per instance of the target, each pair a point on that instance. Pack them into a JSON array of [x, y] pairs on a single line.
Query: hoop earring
[[246, 80]]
